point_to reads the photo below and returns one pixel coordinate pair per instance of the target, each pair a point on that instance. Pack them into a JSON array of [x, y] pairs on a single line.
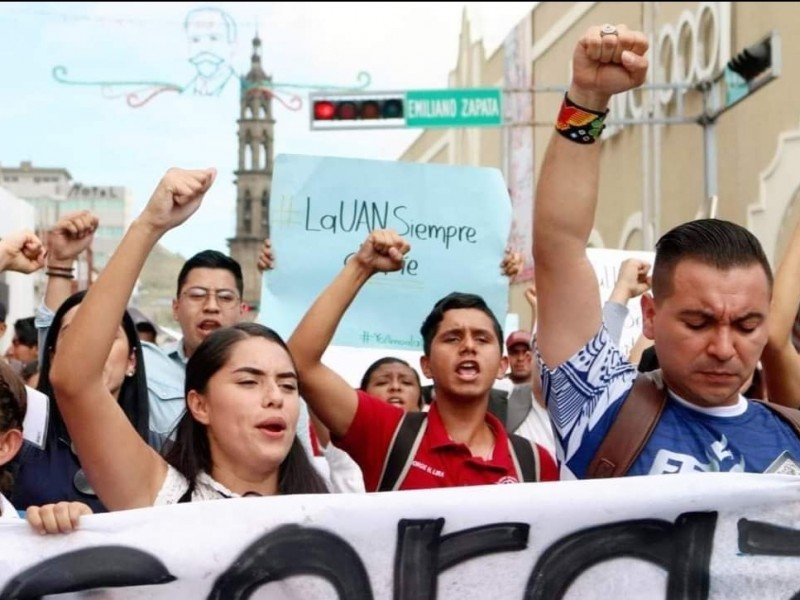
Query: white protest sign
[[700, 536], [606, 265]]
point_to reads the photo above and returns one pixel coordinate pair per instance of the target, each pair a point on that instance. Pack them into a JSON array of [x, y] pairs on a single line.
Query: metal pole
[[710, 151]]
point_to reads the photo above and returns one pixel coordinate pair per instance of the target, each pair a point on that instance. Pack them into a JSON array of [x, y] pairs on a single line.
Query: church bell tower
[[254, 174]]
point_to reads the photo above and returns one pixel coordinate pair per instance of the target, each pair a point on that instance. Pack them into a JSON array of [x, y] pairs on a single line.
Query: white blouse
[[7, 510], [205, 488]]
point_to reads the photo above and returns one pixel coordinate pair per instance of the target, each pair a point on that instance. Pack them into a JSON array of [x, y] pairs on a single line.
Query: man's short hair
[[453, 301], [714, 242], [212, 259], [26, 332]]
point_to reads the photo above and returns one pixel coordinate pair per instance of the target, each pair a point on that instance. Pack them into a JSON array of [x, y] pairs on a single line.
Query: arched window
[[248, 156], [247, 213]]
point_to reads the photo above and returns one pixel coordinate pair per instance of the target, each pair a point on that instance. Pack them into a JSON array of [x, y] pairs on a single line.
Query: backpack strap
[[498, 404], [630, 431], [525, 458], [789, 415], [402, 449], [520, 402]]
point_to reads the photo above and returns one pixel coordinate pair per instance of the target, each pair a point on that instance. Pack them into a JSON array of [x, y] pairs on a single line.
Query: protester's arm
[[124, 471], [62, 517], [71, 235], [642, 343], [328, 395], [21, 251], [530, 298], [632, 281], [780, 360], [566, 198]]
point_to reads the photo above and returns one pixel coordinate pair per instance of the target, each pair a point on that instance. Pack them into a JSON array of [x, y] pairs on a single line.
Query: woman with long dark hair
[[53, 473], [238, 436]]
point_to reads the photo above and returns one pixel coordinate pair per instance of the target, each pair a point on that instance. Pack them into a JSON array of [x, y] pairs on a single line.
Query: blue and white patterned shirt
[[584, 396]]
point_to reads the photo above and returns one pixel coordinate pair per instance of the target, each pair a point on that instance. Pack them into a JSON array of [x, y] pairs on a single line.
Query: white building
[[16, 289]]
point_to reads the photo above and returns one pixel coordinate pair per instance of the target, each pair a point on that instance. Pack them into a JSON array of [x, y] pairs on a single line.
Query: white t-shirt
[[538, 429], [344, 474]]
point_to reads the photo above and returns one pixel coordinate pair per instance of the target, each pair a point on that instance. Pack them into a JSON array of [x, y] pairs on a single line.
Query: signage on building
[[79, 190], [696, 48]]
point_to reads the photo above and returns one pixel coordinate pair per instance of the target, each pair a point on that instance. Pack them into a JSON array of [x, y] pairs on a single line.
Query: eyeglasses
[[199, 295]]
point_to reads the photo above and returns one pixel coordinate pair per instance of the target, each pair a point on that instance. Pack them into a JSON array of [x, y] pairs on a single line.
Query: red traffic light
[[355, 108], [324, 110]]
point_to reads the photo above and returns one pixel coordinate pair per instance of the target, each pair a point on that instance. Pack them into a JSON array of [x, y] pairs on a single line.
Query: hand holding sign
[[176, 197], [382, 251]]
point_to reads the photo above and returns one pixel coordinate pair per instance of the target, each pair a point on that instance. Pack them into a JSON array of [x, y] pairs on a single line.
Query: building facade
[[256, 127], [53, 194], [658, 167], [16, 289]]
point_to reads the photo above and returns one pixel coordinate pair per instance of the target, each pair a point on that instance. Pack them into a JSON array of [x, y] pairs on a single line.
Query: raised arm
[[566, 196], [121, 467], [71, 235], [328, 395], [632, 281], [780, 360]]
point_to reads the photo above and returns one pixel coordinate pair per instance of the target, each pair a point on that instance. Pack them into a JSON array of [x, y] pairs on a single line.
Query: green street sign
[[464, 107]]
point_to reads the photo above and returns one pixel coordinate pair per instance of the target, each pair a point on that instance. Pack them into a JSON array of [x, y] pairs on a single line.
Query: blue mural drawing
[[211, 37]]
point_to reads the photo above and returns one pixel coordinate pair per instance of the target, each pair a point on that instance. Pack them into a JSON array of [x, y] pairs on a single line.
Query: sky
[[93, 132]]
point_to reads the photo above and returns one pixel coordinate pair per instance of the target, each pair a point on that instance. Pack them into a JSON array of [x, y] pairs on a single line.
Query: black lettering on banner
[[766, 539], [422, 553], [292, 550], [683, 549], [87, 569]]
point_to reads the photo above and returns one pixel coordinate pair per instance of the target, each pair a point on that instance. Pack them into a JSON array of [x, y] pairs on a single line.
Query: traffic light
[[357, 111], [752, 68], [755, 60]]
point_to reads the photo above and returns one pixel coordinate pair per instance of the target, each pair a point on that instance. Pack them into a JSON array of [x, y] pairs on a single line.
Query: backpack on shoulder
[[635, 423]]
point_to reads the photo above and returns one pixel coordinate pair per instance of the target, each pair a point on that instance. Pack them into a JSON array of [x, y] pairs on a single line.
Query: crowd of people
[[232, 409]]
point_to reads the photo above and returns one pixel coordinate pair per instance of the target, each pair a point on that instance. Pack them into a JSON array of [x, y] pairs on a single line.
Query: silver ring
[[608, 29]]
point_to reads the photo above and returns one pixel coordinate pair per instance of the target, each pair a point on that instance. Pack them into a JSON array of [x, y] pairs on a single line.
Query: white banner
[[710, 535]]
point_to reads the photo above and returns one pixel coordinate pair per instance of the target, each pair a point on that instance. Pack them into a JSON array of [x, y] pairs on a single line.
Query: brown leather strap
[[635, 422], [790, 415]]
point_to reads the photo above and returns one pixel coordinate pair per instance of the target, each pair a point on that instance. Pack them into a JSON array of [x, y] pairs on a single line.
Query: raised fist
[[383, 251], [176, 197], [73, 234]]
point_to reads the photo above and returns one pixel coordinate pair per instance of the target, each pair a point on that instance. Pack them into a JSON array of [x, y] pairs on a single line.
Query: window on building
[[265, 214], [247, 213]]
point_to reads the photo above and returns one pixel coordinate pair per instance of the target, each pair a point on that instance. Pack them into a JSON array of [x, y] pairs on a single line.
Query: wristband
[[56, 274], [579, 124], [63, 269]]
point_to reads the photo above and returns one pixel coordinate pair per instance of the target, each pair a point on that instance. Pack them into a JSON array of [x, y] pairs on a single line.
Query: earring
[[130, 373]]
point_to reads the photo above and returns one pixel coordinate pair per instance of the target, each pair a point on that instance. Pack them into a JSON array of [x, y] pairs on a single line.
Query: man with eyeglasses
[[209, 296]]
